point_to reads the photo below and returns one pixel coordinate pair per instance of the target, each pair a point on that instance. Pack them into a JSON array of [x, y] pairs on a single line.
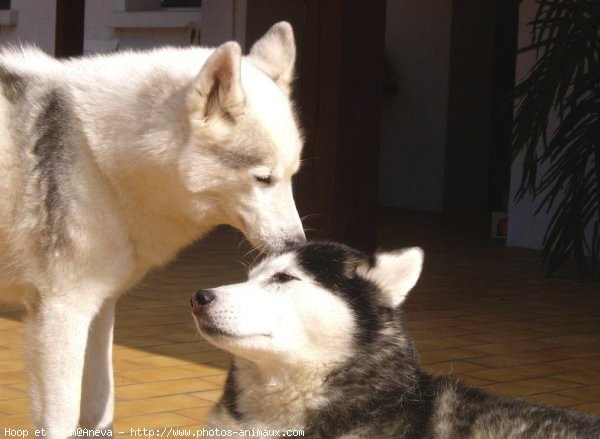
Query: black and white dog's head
[[310, 304]]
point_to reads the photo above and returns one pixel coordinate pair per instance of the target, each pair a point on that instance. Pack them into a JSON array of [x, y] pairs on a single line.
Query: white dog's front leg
[[97, 397], [55, 340]]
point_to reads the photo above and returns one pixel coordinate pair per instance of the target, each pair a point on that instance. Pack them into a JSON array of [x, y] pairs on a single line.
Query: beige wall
[[108, 27], [524, 228], [35, 24]]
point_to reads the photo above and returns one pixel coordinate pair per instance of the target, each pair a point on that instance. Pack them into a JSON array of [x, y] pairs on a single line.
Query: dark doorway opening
[[482, 69], [70, 18], [505, 56]]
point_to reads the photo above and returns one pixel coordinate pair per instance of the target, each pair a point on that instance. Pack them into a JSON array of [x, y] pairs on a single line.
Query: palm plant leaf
[[565, 83]]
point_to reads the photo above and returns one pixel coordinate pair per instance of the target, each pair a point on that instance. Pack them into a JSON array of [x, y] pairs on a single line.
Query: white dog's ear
[[218, 86], [275, 54], [396, 273]]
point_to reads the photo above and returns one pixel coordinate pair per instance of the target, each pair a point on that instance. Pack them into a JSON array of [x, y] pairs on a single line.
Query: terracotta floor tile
[[535, 370], [575, 340], [206, 357], [128, 353], [7, 393], [14, 406], [6, 323], [589, 377], [576, 351], [581, 364], [197, 414], [447, 355], [425, 334], [555, 400], [20, 421], [502, 317], [223, 365], [10, 366], [434, 323], [11, 343], [8, 355], [183, 337], [454, 367], [153, 361], [210, 395], [163, 388], [508, 347], [122, 381], [217, 379], [165, 373], [158, 405], [516, 359], [591, 409], [125, 365], [473, 381], [530, 387], [183, 348], [20, 386], [148, 321], [590, 394], [15, 376], [435, 344], [147, 331]]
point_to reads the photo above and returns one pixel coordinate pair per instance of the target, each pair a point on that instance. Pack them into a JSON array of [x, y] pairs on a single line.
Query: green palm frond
[[565, 83]]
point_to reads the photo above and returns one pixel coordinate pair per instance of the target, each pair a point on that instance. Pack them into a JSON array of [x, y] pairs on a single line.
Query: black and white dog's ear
[[275, 55], [396, 273], [218, 86]]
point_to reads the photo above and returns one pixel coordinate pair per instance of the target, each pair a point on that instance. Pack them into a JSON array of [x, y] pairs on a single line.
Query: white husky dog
[[110, 165]]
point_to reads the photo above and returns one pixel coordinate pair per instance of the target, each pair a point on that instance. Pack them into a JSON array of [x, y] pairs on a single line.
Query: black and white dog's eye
[[282, 278], [264, 179]]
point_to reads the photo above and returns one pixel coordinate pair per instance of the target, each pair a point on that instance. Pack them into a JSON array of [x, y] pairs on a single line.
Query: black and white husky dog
[[318, 344]]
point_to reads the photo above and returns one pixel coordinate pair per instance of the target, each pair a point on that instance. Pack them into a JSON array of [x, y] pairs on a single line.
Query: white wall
[[524, 228], [413, 126], [36, 22]]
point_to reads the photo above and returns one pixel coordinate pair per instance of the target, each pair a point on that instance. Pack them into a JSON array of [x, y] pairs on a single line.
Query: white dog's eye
[[264, 179], [282, 278]]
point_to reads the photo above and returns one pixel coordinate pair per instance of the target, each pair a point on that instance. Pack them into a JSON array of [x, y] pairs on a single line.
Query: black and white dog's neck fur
[[378, 389], [366, 385]]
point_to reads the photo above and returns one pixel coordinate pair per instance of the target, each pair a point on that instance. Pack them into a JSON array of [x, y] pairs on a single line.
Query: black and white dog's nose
[[204, 297], [200, 299]]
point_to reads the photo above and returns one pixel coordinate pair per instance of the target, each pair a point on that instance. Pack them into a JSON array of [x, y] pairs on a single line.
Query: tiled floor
[[481, 312]]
